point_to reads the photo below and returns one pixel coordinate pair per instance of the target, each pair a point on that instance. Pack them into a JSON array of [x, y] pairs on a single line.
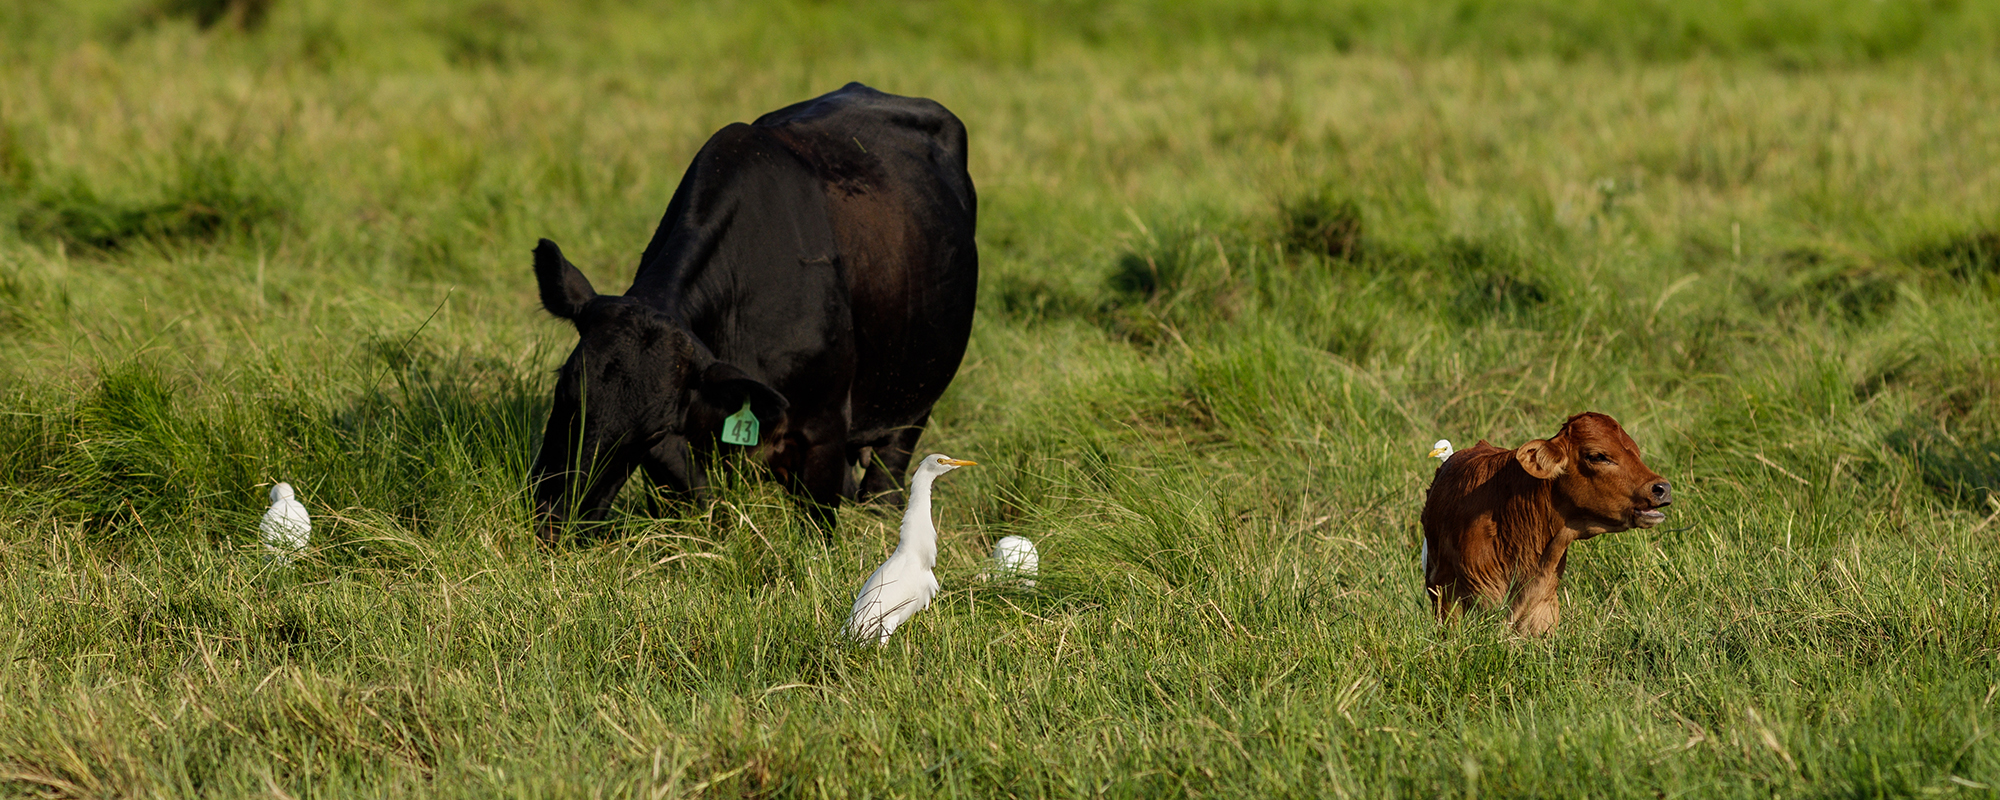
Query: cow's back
[[903, 209], [746, 258]]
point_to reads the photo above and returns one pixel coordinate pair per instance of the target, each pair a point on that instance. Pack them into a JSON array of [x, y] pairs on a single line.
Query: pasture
[[1242, 264]]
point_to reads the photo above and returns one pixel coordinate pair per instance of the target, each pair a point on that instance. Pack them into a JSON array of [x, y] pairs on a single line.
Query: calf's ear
[[1542, 458], [725, 387], [564, 289]]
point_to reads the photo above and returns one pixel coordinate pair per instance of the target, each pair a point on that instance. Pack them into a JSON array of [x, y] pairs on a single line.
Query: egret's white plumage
[[1015, 557], [286, 525], [904, 585]]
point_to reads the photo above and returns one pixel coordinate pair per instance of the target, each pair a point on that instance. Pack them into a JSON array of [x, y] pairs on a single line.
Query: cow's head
[[1598, 474], [625, 397]]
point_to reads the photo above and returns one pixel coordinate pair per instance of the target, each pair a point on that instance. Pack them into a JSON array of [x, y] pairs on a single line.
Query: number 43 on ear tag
[[741, 427]]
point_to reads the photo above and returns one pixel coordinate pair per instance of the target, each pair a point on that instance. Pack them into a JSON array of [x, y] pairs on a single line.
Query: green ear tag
[[741, 427]]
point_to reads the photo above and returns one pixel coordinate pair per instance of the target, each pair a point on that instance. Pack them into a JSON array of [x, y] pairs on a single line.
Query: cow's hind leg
[[883, 482]]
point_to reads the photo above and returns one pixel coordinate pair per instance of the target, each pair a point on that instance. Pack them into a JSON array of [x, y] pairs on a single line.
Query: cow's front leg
[[672, 466], [812, 460], [1447, 600], [1536, 607], [883, 482], [826, 473]]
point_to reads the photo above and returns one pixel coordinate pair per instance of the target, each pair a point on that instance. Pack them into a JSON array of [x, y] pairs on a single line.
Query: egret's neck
[[919, 536]]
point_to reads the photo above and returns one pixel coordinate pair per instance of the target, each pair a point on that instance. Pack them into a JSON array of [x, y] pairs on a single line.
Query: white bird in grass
[[1442, 452], [1015, 557], [286, 525], [904, 585]]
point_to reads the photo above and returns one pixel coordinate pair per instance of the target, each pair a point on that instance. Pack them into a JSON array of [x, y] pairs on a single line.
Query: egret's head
[[1442, 450], [281, 492], [939, 464]]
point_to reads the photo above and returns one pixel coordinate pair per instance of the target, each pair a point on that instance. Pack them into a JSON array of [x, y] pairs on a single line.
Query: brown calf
[[1499, 521]]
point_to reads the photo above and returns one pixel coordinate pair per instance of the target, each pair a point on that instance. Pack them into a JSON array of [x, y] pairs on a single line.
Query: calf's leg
[[1536, 608], [1450, 599]]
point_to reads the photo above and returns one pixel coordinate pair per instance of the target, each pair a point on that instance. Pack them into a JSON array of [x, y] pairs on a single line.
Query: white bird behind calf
[[286, 526], [1442, 452], [904, 585]]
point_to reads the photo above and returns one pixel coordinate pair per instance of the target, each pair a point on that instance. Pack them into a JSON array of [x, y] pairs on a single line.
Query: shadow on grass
[[438, 441], [1962, 470]]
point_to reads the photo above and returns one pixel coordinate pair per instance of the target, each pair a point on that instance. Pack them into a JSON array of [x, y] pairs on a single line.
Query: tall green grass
[[1242, 263]]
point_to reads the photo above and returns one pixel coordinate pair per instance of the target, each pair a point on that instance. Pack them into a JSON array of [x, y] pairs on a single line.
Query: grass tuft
[[209, 198], [242, 15], [1324, 223]]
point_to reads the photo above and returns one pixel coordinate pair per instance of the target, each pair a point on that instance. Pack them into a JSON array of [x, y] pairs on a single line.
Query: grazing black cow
[[818, 264]]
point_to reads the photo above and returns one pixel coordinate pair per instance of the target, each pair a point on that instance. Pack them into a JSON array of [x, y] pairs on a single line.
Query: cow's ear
[[564, 289], [1542, 458], [725, 387]]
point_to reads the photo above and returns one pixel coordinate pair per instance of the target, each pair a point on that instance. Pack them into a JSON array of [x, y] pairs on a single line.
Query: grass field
[[1242, 263]]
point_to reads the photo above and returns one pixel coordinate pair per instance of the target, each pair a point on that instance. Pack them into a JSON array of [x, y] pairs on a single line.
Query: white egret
[[904, 585], [1015, 557], [286, 525], [1442, 452]]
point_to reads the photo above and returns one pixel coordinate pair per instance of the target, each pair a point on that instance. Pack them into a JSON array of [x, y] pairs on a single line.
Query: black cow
[[818, 263]]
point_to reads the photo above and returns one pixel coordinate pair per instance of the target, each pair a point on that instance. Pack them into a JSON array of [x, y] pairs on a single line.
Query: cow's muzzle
[[1661, 494]]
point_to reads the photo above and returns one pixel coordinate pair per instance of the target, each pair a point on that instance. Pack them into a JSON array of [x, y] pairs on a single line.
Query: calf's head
[[1601, 485], [625, 397]]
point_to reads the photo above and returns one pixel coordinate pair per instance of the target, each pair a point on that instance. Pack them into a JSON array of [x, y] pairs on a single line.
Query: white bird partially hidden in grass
[[1015, 557], [904, 585], [286, 525]]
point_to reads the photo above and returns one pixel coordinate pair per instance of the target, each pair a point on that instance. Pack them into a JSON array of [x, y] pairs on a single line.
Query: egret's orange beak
[[959, 463], [1437, 452]]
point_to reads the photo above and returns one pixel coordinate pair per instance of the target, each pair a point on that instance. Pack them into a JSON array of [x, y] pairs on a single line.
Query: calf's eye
[[1597, 458]]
